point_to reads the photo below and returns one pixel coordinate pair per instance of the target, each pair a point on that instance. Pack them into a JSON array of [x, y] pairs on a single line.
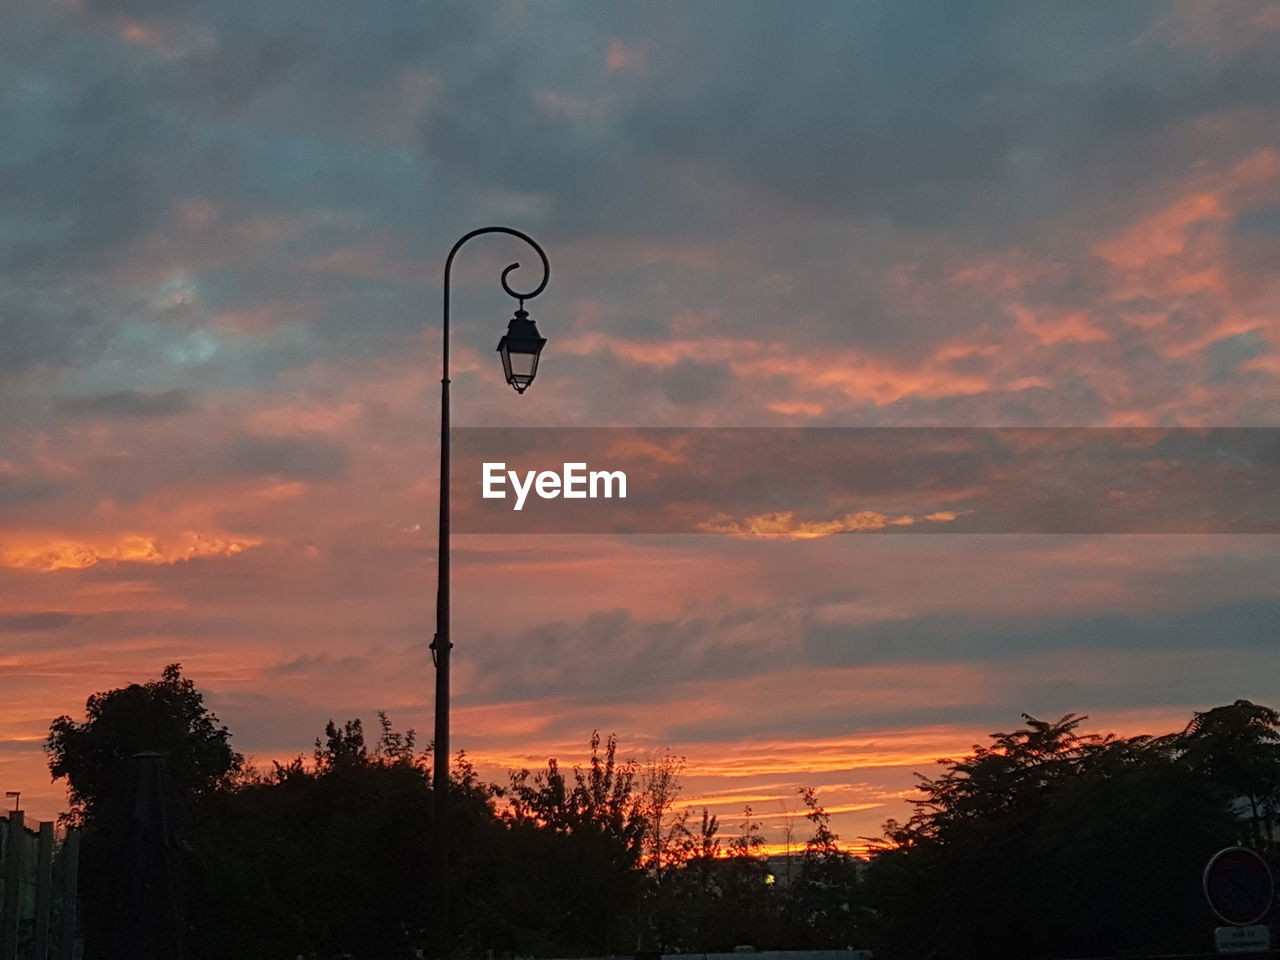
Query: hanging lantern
[[520, 349]]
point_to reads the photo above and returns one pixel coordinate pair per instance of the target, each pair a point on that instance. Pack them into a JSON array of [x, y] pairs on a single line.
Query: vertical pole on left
[[12, 886]]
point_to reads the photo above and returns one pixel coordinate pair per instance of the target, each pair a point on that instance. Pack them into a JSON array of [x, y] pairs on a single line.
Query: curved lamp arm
[[522, 297]]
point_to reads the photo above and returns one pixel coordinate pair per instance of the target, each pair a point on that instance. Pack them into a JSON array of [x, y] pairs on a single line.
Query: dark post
[[12, 887], [147, 900], [70, 857], [441, 645], [44, 890]]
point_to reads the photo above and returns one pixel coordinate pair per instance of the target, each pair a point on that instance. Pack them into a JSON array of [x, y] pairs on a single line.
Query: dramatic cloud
[[222, 236]]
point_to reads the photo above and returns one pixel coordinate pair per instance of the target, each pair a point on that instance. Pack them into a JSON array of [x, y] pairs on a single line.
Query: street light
[[520, 349]]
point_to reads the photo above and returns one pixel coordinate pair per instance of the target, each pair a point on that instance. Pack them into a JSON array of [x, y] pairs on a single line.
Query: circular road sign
[[1238, 885]]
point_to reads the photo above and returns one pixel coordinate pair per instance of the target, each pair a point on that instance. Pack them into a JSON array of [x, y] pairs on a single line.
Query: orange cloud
[[1269, 364], [282, 491], [801, 759], [784, 524], [797, 409], [1011, 272], [622, 57], [1049, 327], [48, 554], [829, 808], [170, 41], [861, 377], [1179, 250], [135, 34], [631, 447], [257, 320], [858, 375], [1162, 235]]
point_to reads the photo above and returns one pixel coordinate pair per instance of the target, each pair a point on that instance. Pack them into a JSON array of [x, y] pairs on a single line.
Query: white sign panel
[[1242, 939]]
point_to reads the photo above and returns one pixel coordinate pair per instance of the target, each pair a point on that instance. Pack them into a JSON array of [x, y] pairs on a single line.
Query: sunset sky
[[222, 233]]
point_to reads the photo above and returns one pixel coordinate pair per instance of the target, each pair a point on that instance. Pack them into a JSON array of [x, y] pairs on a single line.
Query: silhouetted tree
[[744, 911], [166, 715], [661, 842], [1237, 747], [692, 887], [823, 904], [1013, 845], [578, 845], [330, 858], [1007, 850]]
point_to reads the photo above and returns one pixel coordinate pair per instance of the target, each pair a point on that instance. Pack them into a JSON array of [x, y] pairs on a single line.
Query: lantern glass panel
[[520, 368]]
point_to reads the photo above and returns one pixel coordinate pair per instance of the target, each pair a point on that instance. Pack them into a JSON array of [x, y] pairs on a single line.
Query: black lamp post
[[520, 349]]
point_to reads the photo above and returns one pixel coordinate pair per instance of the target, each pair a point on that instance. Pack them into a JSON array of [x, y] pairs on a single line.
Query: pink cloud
[[623, 57], [1057, 326]]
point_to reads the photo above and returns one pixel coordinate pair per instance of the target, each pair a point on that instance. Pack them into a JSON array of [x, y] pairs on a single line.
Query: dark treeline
[[1047, 842]]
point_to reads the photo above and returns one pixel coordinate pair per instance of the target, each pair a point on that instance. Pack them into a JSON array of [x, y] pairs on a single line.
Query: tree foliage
[[1007, 848], [577, 842], [1011, 846], [166, 715], [827, 911]]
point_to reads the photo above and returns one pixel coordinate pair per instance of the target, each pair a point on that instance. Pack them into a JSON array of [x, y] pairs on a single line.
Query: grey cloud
[[277, 722], [307, 663], [288, 457], [1247, 625], [693, 383], [20, 746], [98, 182], [65, 631], [21, 492], [159, 455], [977, 115], [33, 622], [43, 327], [614, 651], [127, 403], [927, 114], [1227, 354], [1264, 221]]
